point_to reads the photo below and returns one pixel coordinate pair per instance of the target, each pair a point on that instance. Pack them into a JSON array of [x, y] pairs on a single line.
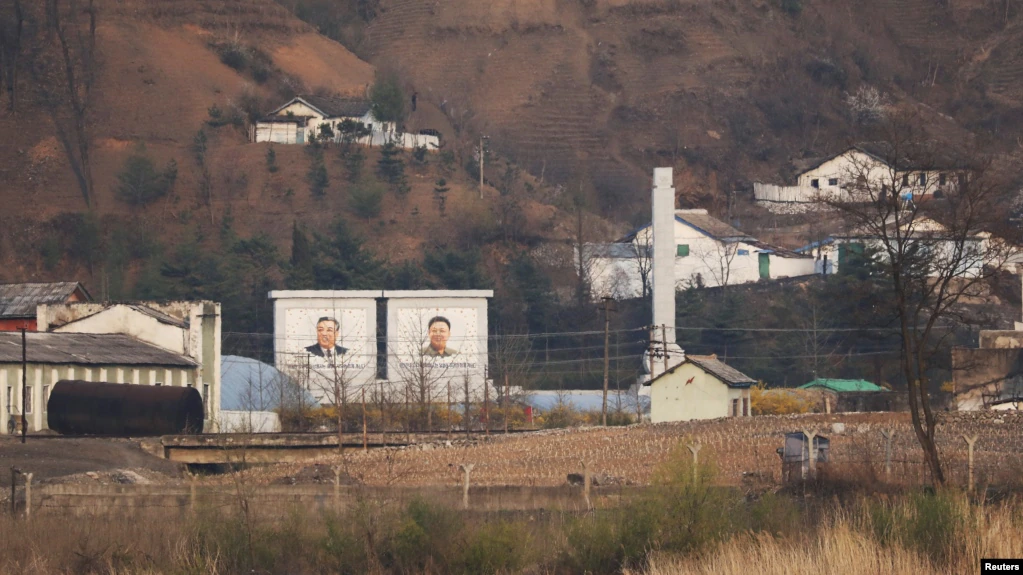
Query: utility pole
[[606, 307], [24, 382]]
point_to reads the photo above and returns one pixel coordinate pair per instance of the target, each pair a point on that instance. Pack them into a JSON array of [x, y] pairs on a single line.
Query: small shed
[[701, 387], [853, 395], [795, 456], [18, 302]]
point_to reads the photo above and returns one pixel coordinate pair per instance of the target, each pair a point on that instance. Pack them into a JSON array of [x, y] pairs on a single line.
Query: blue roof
[[247, 384]]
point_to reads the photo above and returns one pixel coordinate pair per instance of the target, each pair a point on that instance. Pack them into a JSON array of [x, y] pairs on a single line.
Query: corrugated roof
[[712, 365], [710, 225], [20, 300], [87, 349], [843, 385], [333, 107]]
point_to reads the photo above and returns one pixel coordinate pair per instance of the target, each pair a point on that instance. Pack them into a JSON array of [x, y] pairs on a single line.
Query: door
[[300, 136], [765, 266]]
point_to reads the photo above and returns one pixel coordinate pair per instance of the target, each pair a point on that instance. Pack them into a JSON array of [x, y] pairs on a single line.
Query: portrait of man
[[440, 331], [326, 339]]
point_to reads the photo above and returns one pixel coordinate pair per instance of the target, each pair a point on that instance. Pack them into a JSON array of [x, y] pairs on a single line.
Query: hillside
[[166, 70], [599, 91]]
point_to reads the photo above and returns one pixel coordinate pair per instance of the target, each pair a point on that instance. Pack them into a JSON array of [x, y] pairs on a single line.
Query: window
[[743, 252], [10, 398], [206, 397], [923, 179], [46, 396], [735, 408], [682, 250], [832, 181], [942, 179], [815, 183], [905, 179], [745, 407], [28, 401]]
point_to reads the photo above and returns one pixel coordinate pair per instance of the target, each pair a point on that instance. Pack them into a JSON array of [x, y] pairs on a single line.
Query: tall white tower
[[662, 338]]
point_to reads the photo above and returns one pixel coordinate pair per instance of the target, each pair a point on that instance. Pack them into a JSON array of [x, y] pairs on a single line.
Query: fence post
[[466, 469], [812, 471], [888, 434], [337, 488], [28, 493], [586, 485], [694, 448], [969, 442]]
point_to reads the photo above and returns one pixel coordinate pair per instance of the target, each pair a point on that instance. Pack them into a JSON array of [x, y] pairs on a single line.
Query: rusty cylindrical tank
[[93, 408]]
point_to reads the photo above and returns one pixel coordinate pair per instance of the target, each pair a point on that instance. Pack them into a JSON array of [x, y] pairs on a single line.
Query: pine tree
[[301, 273], [390, 166], [440, 195]]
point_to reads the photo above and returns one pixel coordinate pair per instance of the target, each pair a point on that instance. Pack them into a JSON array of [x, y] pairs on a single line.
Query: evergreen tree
[[390, 167], [343, 262], [440, 195], [354, 160], [300, 275]]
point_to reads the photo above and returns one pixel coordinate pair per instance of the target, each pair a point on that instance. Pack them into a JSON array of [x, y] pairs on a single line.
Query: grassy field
[[684, 523]]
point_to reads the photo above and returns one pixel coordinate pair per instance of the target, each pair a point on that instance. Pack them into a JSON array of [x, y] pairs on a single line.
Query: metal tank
[[118, 409]]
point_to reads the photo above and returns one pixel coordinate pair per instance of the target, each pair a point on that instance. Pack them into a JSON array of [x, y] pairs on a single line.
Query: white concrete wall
[[120, 318], [615, 277], [847, 167], [942, 250], [672, 399], [276, 132], [788, 267], [249, 422]]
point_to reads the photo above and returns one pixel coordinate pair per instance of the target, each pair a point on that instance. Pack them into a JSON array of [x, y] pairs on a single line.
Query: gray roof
[[927, 156], [87, 349], [712, 365], [780, 252], [20, 300], [710, 225], [616, 250], [333, 107]]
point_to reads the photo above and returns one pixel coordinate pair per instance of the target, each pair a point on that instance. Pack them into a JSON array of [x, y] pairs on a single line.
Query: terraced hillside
[[580, 89]]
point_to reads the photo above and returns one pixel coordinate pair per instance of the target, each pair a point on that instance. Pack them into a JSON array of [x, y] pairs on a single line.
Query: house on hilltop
[[866, 166], [701, 387], [18, 301], [708, 252], [306, 118]]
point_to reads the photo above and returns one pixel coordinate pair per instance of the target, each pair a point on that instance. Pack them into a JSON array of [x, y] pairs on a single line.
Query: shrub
[[366, 199], [317, 174], [765, 401], [496, 547], [234, 56], [271, 159], [140, 183]]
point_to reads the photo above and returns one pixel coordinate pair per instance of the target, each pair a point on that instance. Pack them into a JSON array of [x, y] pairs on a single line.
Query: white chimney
[[663, 224]]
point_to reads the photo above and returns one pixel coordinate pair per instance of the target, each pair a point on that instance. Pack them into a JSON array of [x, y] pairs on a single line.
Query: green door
[[765, 266]]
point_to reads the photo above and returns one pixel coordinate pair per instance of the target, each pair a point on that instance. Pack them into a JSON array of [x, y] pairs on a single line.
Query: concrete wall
[[276, 132], [706, 397], [249, 422], [42, 378], [122, 319], [93, 499], [977, 373], [992, 339]]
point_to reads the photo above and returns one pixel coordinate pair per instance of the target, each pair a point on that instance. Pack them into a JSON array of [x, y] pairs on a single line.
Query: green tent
[[842, 385]]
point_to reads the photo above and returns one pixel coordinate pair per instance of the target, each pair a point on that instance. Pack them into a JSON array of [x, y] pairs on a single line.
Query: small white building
[[708, 252], [701, 387], [305, 118], [866, 166]]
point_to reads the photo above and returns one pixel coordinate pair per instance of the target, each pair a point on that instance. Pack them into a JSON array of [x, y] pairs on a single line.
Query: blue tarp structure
[[247, 384]]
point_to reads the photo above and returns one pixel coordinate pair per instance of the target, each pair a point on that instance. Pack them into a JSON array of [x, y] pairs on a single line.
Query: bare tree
[[421, 372], [64, 76], [511, 360], [930, 251], [718, 260], [12, 25]]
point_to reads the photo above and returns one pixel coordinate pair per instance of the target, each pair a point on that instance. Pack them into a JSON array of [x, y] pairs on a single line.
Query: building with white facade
[[305, 118], [866, 169], [707, 252], [701, 387]]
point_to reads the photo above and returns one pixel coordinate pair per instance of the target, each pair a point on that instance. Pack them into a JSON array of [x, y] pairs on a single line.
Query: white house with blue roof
[[708, 252]]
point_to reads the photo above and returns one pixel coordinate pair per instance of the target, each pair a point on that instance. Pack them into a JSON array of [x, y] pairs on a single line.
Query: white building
[[835, 251], [701, 387], [307, 117], [190, 329], [867, 166], [708, 252]]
